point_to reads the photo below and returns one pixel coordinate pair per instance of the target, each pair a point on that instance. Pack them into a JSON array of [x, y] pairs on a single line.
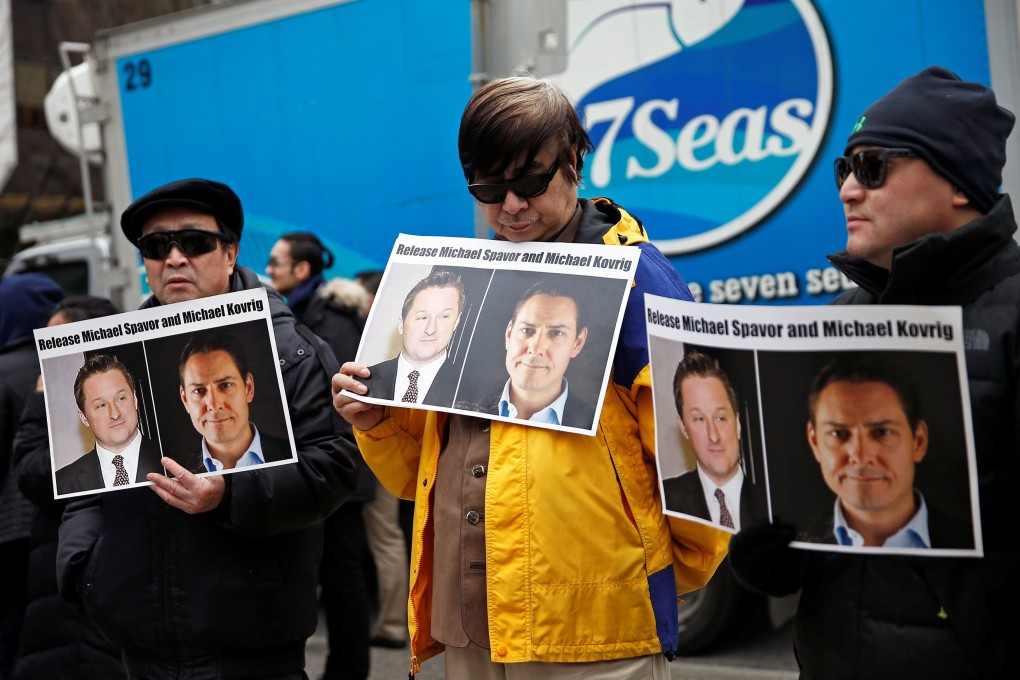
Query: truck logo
[[705, 114]]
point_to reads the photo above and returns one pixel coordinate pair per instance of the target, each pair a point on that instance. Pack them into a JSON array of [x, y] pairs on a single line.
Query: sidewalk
[[387, 664]]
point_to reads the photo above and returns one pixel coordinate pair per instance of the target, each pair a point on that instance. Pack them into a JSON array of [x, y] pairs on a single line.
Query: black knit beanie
[[956, 126]]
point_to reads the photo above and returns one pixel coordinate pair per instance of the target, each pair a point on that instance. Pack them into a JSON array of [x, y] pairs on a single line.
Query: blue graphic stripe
[[662, 589], [654, 275]]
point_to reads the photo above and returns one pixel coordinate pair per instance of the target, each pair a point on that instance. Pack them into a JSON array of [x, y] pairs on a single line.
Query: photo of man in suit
[[706, 405], [867, 434], [104, 391], [422, 373], [548, 328], [217, 389]]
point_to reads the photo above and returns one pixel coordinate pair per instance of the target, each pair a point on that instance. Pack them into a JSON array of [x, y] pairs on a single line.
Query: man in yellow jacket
[[536, 550]]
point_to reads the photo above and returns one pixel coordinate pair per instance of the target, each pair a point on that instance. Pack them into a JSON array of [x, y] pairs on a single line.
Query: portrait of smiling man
[[422, 373], [108, 405], [708, 417], [217, 389]]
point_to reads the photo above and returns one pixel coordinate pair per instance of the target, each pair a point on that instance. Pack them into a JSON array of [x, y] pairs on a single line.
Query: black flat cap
[[208, 196]]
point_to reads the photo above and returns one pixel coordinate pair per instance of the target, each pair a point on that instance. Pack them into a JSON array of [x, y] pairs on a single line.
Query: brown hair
[[701, 365], [440, 278], [861, 368], [520, 115], [94, 365], [216, 341]]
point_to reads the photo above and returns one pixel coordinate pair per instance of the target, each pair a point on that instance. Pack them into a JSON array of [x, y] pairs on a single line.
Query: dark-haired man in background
[[333, 310]]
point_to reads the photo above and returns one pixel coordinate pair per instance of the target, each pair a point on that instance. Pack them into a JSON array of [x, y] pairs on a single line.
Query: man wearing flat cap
[[213, 576], [926, 225]]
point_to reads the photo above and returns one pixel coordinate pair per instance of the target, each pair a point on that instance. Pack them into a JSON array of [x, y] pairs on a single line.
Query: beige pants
[[472, 663], [386, 541]]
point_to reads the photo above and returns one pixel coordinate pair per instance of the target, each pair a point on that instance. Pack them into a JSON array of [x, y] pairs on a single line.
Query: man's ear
[[683, 428], [303, 270], [812, 439], [509, 330], [960, 199], [249, 387], [920, 441], [231, 250], [579, 342], [84, 419], [184, 398]]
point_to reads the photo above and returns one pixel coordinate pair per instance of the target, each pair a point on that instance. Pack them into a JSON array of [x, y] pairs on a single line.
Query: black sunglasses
[[529, 186], [870, 166], [192, 242]]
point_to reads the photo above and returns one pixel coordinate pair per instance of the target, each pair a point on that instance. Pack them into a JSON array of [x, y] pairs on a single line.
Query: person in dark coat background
[[25, 302], [388, 522], [58, 641], [332, 309]]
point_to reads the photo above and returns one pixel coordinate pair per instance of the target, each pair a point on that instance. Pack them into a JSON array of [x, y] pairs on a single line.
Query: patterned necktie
[[411, 395], [121, 478], [724, 513]]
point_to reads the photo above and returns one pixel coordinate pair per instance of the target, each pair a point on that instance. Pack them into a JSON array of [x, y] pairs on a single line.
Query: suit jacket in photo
[[273, 449], [384, 377], [684, 494], [576, 411], [947, 532], [85, 474]]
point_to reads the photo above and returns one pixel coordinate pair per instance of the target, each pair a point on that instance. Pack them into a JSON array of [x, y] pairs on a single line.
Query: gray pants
[[472, 663]]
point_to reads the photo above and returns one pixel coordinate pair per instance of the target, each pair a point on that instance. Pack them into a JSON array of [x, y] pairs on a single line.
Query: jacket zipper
[[415, 666]]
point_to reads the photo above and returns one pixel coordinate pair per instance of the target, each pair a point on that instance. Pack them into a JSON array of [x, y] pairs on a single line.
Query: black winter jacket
[[334, 314], [58, 642], [880, 616], [229, 593]]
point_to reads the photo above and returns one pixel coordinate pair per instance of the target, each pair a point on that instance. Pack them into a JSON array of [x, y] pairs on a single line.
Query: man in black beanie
[[926, 225], [213, 576]]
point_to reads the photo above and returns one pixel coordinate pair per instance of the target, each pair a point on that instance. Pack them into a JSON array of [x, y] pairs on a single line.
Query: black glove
[[763, 561]]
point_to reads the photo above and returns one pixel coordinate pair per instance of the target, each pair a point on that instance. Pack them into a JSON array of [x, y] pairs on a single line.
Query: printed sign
[[195, 381], [851, 423], [521, 332]]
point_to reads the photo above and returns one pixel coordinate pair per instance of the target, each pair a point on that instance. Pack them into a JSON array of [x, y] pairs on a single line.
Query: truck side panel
[[715, 121], [341, 121]]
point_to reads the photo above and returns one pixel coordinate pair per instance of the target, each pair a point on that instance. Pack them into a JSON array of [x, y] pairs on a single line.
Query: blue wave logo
[[705, 114]]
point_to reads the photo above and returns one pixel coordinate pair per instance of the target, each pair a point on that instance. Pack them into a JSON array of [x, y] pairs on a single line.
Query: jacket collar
[[602, 221], [936, 261], [303, 293]]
